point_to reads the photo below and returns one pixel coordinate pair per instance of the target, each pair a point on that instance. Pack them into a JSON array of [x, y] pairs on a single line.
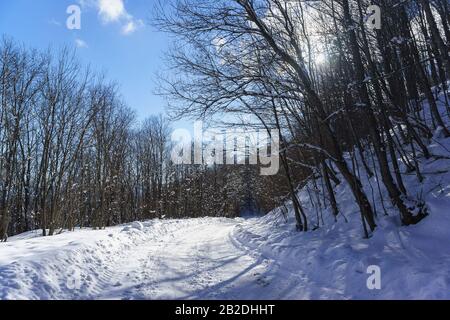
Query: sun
[[320, 59]]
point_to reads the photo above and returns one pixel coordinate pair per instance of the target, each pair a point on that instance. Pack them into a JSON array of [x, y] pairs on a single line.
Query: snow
[[135, 225], [159, 259], [218, 258], [256, 258]]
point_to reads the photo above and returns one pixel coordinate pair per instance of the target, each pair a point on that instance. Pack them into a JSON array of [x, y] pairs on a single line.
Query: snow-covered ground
[[217, 258], [257, 258], [171, 259]]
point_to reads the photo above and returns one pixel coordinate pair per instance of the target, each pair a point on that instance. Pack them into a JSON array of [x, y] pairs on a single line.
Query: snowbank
[[73, 265]]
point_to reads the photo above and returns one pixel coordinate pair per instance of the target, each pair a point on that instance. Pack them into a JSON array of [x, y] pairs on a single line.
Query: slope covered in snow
[[213, 258], [333, 261]]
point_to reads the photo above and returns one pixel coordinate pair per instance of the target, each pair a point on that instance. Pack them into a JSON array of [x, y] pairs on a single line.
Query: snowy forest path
[[191, 262], [205, 258]]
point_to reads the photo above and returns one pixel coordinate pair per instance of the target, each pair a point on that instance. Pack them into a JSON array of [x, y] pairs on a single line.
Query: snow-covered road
[[176, 259], [218, 258], [192, 262]]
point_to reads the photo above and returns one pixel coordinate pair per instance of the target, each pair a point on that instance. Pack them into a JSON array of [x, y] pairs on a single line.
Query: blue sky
[[115, 37]]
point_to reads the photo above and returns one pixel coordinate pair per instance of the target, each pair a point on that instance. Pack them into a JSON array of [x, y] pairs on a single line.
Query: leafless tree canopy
[[332, 85], [72, 155]]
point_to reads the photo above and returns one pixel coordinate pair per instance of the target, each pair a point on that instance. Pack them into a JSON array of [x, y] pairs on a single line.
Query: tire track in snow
[[191, 262]]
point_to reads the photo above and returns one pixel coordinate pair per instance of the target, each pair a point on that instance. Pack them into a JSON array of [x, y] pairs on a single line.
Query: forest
[[346, 98], [73, 154]]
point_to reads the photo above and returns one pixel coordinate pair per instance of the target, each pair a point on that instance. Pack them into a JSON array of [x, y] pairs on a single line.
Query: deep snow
[[257, 258], [217, 258], [171, 259]]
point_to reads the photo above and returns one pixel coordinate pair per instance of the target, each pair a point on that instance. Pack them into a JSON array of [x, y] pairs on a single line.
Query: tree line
[[73, 155]]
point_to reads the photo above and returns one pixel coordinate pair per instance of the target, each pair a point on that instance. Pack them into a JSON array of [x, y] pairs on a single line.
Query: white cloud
[[80, 43], [111, 10], [114, 11], [131, 26]]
